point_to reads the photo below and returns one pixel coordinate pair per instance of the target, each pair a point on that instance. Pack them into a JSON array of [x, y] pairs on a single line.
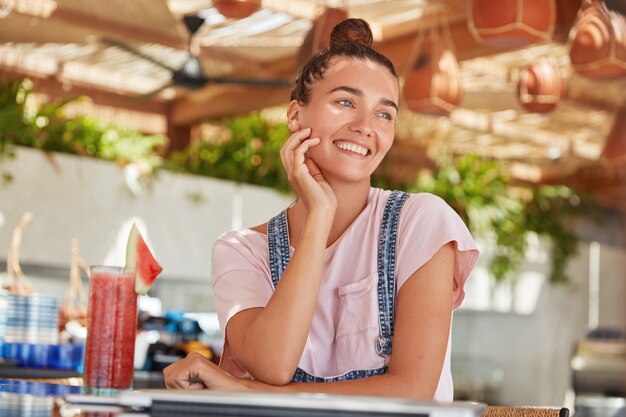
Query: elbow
[[278, 379], [274, 374]]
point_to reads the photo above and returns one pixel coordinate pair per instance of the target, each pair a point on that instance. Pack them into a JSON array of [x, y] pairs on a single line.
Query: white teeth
[[352, 148]]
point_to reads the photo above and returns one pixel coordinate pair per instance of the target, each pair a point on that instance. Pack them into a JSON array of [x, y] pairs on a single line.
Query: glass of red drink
[[111, 331]]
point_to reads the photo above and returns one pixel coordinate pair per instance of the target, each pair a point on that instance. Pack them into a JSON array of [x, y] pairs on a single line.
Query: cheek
[[386, 138], [323, 120]]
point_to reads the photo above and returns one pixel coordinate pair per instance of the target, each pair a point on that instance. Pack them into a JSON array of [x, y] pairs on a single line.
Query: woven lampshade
[[540, 87], [598, 43], [237, 9], [433, 85], [511, 23]]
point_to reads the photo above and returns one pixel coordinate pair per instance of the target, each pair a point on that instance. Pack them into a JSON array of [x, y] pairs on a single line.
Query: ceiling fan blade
[[253, 82], [125, 47], [190, 75]]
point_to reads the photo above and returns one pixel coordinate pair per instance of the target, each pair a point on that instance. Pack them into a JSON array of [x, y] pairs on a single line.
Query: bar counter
[[30, 398]]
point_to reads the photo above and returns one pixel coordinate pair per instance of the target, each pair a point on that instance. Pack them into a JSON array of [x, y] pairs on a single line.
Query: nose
[[362, 124]]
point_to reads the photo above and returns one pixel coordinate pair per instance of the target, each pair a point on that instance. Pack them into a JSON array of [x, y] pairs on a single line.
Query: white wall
[[87, 199], [533, 349]]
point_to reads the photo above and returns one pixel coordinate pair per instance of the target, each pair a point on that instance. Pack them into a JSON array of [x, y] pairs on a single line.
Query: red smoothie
[[111, 330]]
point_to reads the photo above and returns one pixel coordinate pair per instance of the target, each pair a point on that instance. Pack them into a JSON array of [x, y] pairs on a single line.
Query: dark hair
[[351, 38]]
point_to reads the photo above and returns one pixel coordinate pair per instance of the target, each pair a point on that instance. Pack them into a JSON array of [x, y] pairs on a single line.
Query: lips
[[352, 147]]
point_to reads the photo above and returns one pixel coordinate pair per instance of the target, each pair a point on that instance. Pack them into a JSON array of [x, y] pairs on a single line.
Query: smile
[[352, 147]]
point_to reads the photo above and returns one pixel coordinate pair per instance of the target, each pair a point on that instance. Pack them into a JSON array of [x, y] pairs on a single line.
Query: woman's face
[[353, 111]]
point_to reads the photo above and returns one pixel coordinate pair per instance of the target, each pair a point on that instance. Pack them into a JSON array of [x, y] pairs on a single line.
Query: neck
[[351, 200]]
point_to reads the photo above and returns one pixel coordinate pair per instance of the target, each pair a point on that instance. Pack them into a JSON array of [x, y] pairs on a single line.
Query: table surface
[[28, 398]]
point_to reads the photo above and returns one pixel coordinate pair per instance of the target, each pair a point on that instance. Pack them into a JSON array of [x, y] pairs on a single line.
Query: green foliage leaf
[[251, 155]]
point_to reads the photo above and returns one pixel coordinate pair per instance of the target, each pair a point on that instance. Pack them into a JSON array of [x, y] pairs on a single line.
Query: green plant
[[12, 123], [482, 192], [552, 212], [250, 155], [49, 129]]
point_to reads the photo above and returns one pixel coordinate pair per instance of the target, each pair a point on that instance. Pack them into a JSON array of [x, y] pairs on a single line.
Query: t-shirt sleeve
[[427, 223], [238, 279]]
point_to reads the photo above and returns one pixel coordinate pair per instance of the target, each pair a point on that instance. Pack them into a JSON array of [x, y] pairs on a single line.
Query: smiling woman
[[351, 289]]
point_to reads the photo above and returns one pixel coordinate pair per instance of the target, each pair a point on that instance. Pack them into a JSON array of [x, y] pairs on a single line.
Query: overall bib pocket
[[358, 307]]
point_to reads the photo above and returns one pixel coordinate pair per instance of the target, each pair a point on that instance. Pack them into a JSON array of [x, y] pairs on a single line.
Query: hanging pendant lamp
[[433, 84], [540, 87], [237, 9], [511, 23], [598, 42]]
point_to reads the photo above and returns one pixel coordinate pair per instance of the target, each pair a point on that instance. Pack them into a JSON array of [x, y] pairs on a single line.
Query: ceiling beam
[[397, 49], [224, 101], [203, 104], [114, 28], [68, 90], [303, 9]]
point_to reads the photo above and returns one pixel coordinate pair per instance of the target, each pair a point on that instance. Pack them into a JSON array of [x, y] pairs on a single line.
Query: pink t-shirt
[[345, 324]]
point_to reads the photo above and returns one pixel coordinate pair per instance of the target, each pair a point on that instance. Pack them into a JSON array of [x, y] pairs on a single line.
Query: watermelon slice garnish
[[140, 260]]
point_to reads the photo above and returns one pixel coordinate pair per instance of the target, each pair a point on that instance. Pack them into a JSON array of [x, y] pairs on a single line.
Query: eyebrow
[[359, 93]]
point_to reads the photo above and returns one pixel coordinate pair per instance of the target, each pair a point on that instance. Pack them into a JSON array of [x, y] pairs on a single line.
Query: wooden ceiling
[[77, 47]]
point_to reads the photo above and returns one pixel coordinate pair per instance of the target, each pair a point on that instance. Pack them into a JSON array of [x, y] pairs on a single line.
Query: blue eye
[[386, 115], [345, 103]]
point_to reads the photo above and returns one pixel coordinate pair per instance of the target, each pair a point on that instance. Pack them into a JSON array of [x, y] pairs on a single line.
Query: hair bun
[[352, 31]]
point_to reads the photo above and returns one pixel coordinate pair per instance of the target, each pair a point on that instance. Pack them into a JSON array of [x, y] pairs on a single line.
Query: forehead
[[366, 75]]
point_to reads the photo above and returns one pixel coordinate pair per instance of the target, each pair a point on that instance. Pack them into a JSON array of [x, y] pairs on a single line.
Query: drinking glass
[[111, 331]]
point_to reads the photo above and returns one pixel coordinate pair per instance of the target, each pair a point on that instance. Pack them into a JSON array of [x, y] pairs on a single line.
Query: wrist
[[319, 220]]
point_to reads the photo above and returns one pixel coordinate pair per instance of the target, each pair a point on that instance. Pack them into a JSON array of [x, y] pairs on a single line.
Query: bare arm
[[269, 341], [420, 339], [422, 326]]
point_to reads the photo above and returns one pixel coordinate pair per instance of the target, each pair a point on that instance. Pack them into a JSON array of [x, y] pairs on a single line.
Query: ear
[[293, 116]]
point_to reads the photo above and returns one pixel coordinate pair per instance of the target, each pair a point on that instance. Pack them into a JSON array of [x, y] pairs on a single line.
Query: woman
[[323, 291]]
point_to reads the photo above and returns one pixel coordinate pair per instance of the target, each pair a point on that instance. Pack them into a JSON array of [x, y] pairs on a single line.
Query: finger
[[300, 151], [172, 378], [296, 138], [183, 374], [189, 383], [293, 161], [186, 379], [293, 141], [314, 170]]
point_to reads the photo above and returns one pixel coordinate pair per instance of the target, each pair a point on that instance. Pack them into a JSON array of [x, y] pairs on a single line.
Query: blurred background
[[170, 114]]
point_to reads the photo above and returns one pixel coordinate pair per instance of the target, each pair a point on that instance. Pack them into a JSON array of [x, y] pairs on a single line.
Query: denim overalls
[[279, 254]]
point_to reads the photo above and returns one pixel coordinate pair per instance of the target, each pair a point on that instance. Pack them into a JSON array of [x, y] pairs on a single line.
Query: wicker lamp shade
[[433, 85], [511, 23], [540, 87], [237, 9], [318, 36], [598, 43]]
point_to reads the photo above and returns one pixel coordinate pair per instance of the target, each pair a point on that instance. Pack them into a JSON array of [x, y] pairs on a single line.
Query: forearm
[[273, 344], [387, 385]]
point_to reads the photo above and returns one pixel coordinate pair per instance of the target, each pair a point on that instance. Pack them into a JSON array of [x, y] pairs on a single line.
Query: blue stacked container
[[31, 326]]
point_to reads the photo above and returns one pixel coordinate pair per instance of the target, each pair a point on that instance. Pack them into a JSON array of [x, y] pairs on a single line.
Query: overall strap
[[278, 245], [386, 270]]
